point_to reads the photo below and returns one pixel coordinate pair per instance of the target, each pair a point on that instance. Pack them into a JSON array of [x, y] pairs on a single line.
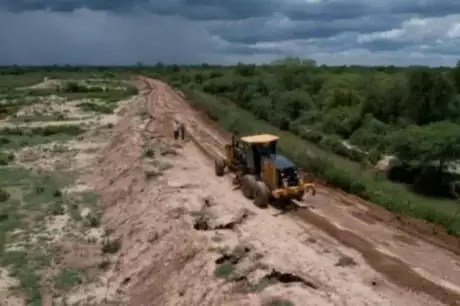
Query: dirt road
[[188, 238]]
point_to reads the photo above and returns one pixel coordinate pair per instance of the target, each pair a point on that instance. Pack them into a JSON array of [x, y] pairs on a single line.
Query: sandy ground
[[188, 238]]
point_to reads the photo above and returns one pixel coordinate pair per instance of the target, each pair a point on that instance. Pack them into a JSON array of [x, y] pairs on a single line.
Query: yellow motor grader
[[262, 173]]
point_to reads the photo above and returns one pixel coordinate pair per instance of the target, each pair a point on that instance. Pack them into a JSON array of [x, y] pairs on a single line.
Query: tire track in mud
[[393, 268]]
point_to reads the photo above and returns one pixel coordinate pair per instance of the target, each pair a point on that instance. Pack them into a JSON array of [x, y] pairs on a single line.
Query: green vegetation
[[11, 138], [28, 200], [6, 158], [225, 270], [38, 116], [11, 77], [67, 278], [75, 91], [337, 122], [23, 214]]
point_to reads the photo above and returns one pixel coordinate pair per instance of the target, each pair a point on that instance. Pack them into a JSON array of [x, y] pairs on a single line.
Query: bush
[[4, 195], [6, 158], [111, 246], [96, 107], [74, 87]]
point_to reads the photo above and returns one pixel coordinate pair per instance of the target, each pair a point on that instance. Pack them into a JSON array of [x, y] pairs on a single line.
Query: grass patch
[[12, 138], [13, 103], [263, 283], [97, 107], [14, 94], [6, 158], [332, 168], [225, 270], [71, 92], [26, 76], [106, 94], [23, 267], [56, 116], [11, 80], [31, 196], [30, 199], [68, 278]]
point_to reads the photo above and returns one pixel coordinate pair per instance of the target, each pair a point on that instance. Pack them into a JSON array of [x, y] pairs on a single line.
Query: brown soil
[[395, 269]]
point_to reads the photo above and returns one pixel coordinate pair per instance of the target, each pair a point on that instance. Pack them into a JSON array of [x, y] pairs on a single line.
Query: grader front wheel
[[219, 167], [248, 186], [262, 195]]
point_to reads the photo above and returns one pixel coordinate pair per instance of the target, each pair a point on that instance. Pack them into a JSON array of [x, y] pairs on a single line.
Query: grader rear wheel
[[262, 195], [219, 167], [248, 186]]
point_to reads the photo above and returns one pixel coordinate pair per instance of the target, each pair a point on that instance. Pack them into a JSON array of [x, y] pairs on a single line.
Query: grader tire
[[262, 195], [248, 186], [219, 167]]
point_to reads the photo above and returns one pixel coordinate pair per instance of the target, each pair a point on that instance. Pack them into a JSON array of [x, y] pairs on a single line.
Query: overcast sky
[[399, 32]]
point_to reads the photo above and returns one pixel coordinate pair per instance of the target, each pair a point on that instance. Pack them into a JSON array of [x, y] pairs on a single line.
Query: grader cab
[[262, 173]]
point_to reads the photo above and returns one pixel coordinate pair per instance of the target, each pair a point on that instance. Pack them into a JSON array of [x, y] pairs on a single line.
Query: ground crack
[[287, 278]]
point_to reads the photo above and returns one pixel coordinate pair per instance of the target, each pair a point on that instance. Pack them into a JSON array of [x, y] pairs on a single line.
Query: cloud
[[216, 31]]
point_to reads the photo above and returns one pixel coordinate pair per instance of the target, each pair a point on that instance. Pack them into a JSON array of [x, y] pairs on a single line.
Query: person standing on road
[[176, 129], [182, 130]]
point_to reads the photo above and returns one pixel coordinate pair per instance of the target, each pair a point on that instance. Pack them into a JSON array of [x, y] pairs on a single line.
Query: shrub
[[4, 195]]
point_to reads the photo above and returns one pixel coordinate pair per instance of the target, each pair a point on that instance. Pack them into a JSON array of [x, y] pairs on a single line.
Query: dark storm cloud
[[218, 31], [192, 9], [326, 10], [267, 30], [426, 8], [384, 45], [67, 5], [224, 10]]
